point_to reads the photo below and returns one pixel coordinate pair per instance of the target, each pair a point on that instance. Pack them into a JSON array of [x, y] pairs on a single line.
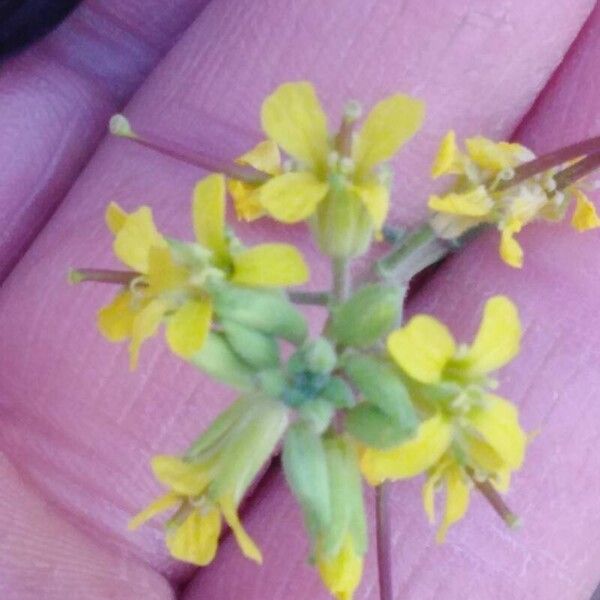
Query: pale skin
[[77, 429]]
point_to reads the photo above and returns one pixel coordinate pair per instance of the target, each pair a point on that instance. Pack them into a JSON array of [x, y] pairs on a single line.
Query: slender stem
[[341, 279], [415, 252], [552, 159], [497, 503], [102, 276], [311, 298], [384, 543], [575, 172], [120, 127]]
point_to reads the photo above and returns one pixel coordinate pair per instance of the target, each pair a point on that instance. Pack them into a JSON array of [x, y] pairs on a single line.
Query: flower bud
[[218, 359], [369, 314], [338, 393], [319, 356], [266, 311], [305, 468], [371, 426], [382, 386], [257, 349], [318, 413]]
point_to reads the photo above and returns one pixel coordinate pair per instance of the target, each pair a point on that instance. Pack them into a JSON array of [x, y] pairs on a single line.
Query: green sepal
[[269, 312], [257, 349], [371, 426], [338, 393], [219, 360], [368, 315], [382, 386], [305, 468]]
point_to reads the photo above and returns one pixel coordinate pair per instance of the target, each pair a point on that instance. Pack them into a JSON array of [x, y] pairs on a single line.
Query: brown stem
[[102, 276], [552, 159], [120, 127], [496, 502], [384, 544], [575, 172]]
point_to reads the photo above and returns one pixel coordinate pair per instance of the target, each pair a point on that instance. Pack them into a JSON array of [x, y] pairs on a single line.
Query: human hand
[[80, 428]]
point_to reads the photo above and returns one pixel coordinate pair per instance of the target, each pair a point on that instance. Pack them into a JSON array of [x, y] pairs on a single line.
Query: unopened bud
[[119, 125]]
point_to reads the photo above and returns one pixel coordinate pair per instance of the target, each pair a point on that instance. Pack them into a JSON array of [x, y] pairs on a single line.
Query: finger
[[57, 97], [83, 426], [44, 556], [557, 553]]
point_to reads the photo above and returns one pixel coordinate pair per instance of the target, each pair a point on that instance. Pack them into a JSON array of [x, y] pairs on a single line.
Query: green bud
[[341, 224], [345, 490], [265, 311], [273, 382], [338, 393], [303, 387], [257, 349], [305, 468], [318, 413], [218, 359], [370, 425], [381, 384], [249, 447], [369, 314], [319, 356], [220, 427]]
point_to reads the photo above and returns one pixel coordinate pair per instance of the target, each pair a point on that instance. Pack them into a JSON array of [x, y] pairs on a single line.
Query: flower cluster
[[487, 192], [370, 398]]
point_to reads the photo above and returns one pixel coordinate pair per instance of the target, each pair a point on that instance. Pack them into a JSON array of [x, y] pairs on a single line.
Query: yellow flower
[[209, 484], [173, 282], [470, 432], [322, 170], [478, 197]]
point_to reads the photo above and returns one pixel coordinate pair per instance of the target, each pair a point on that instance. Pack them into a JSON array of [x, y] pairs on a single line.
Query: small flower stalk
[[370, 397]]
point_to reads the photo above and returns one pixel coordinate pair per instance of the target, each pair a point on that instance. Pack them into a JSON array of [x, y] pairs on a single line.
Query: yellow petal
[[499, 337], [208, 214], [145, 325], [410, 458], [342, 573], [245, 542], [422, 348], [115, 320], [292, 197], [134, 238], [164, 274], [292, 116], [457, 500], [196, 539], [115, 217], [245, 200], [448, 159], [264, 156], [490, 155], [484, 457], [585, 216], [188, 327], [269, 265], [510, 250], [476, 203], [428, 493], [498, 424], [185, 478], [154, 508], [390, 124], [376, 198]]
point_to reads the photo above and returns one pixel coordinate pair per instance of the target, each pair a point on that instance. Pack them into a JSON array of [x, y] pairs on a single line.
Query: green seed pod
[[266, 311], [368, 315], [218, 359], [305, 468], [370, 425], [381, 385], [257, 349]]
